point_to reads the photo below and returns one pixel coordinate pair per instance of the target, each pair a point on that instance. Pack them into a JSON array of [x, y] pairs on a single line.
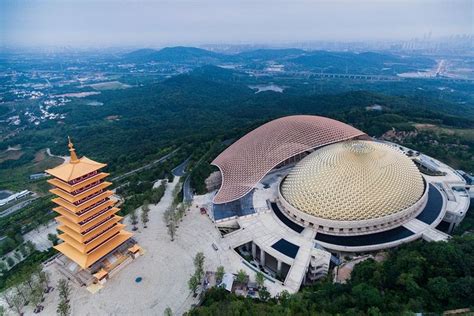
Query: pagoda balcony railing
[[97, 225], [99, 234], [92, 206], [104, 242], [86, 187], [85, 177], [95, 215], [87, 198]]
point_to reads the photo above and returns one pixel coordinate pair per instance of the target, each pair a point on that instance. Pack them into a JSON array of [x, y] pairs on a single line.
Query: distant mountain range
[[188, 54], [321, 61], [174, 55]]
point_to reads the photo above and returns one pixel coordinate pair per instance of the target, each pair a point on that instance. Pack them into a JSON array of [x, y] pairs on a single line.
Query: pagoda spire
[[72, 151]]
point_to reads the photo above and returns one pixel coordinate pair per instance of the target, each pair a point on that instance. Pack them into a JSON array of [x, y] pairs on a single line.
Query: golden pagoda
[[91, 229]]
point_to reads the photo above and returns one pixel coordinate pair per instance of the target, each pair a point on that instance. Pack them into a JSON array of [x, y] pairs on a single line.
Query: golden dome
[[353, 180]]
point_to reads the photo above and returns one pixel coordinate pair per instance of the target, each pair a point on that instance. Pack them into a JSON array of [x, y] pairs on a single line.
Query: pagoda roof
[[76, 169], [102, 273], [86, 260], [134, 249]]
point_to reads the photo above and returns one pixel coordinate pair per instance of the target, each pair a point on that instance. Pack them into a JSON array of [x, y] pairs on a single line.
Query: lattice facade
[[353, 181], [249, 159]]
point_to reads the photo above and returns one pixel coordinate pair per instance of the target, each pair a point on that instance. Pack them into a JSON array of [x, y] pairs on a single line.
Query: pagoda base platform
[[97, 275]]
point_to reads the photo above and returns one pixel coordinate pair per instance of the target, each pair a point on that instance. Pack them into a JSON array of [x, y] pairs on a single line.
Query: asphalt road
[[16, 207], [180, 170], [145, 166], [187, 190]]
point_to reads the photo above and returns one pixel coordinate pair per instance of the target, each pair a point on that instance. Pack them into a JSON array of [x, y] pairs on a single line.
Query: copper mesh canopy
[[250, 158]]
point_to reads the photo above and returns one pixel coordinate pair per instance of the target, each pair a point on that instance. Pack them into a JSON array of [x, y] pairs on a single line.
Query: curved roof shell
[[353, 180], [249, 159]]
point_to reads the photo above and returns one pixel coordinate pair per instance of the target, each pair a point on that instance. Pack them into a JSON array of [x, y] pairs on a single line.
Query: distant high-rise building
[[91, 229]]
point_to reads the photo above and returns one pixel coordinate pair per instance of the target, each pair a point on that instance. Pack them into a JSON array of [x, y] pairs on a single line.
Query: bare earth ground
[[10, 155], [165, 268]]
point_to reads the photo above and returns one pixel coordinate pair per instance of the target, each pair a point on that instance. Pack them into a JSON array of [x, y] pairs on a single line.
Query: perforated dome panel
[[353, 180], [249, 159]]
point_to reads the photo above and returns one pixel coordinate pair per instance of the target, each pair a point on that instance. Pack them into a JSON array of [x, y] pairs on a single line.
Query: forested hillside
[[210, 104]]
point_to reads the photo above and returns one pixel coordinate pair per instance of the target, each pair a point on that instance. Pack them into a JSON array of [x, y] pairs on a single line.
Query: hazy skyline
[[158, 23]]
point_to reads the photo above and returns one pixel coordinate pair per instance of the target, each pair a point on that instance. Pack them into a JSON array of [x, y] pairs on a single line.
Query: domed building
[[301, 192], [353, 187]]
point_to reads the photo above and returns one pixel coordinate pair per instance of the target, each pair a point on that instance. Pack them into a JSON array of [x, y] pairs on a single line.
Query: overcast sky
[[187, 22]]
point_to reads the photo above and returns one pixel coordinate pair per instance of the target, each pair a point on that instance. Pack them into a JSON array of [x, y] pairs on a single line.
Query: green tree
[[36, 294], [53, 238], [241, 276], [157, 193], [64, 308], [8, 298], [366, 296], [43, 277], [172, 229], [180, 211], [264, 294], [146, 206], [193, 283], [7, 245], [408, 282], [3, 266], [368, 271], [144, 217], [167, 216], [260, 279], [220, 274], [439, 287], [20, 287], [199, 265], [30, 246], [64, 290], [10, 262], [29, 279], [283, 297], [134, 219], [374, 311], [17, 302], [168, 312], [23, 250]]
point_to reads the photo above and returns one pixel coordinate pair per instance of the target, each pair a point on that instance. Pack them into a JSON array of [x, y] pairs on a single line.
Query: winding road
[[145, 166]]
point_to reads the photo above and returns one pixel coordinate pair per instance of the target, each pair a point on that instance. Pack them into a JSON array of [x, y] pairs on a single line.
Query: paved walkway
[[428, 233]]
